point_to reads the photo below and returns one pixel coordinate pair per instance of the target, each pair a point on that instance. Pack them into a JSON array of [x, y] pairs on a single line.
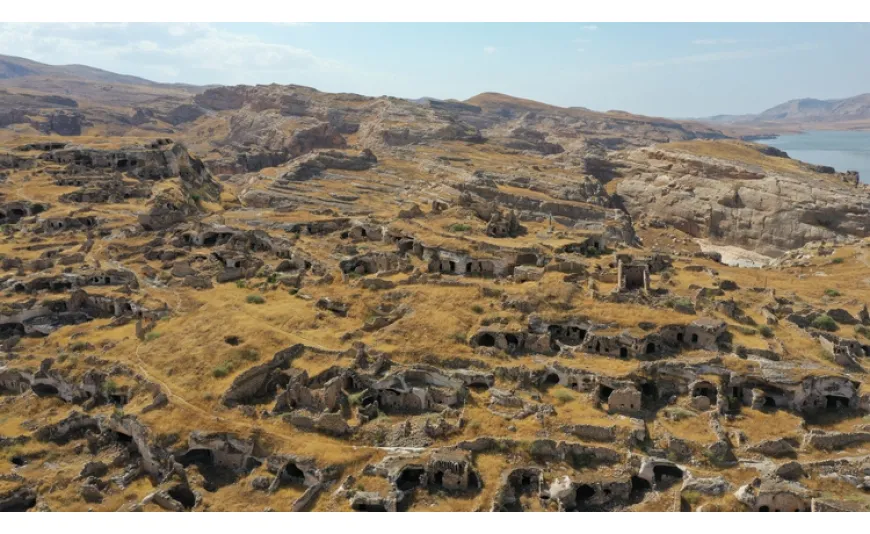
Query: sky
[[668, 70]]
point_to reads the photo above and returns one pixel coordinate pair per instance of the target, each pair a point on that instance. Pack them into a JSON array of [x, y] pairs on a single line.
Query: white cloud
[[589, 27], [581, 49], [168, 50], [489, 50], [723, 56], [709, 42]]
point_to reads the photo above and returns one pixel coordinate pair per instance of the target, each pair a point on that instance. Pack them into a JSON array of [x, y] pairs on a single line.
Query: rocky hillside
[[743, 195], [273, 298]]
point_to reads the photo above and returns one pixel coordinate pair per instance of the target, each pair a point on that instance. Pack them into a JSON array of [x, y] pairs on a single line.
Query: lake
[[844, 151]]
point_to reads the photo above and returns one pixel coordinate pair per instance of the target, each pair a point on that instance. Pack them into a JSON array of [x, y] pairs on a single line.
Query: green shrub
[[677, 413], [249, 354], [241, 284], [109, 386], [255, 299], [838, 261], [459, 227], [477, 308], [151, 336], [863, 330], [563, 395], [832, 293], [765, 331], [824, 322], [79, 346], [222, 370], [354, 399]]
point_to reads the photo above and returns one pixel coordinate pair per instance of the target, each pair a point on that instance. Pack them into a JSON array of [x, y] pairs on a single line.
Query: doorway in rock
[[410, 478], [291, 474], [184, 495], [486, 340], [650, 348], [604, 393], [623, 353], [836, 403], [667, 474], [551, 379], [44, 390], [363, 507], [639, 487], [216, 476]]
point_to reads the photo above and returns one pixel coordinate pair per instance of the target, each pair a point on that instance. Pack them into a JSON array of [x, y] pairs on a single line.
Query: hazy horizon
[[687, 70]]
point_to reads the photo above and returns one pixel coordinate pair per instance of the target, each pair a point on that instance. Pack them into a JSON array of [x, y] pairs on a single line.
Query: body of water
[[844, 151]]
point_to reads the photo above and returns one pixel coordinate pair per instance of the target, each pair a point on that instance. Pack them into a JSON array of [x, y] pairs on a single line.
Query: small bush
[[832, 293], [222, 370], [241, 284], [679, 302], [563, 395], [79, 346], [110, 386], [249, 354], [838, 261], [459, 227], [677, 413], [255, 299], [354, 399], [765, 331], [824, 322], [863, 330], [477, 308], [151, 336]]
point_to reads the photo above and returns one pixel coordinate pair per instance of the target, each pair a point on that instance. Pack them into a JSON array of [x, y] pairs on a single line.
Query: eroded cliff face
[[743, 205]]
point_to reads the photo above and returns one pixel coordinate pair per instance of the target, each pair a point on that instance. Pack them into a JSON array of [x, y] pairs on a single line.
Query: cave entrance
[[368, 507], [604, 393], [292, 474], [44, 390], [184, 495], [216, 476], [486, 340], [410, 478], [584, 493], [650, 348], [835, 403], [667, 473]]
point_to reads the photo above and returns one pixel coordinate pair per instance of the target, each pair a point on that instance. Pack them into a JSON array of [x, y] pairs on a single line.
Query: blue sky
[[671, 70]]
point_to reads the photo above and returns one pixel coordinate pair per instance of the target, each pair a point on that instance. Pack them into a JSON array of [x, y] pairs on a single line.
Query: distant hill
[[17, 71], [809, 113]]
